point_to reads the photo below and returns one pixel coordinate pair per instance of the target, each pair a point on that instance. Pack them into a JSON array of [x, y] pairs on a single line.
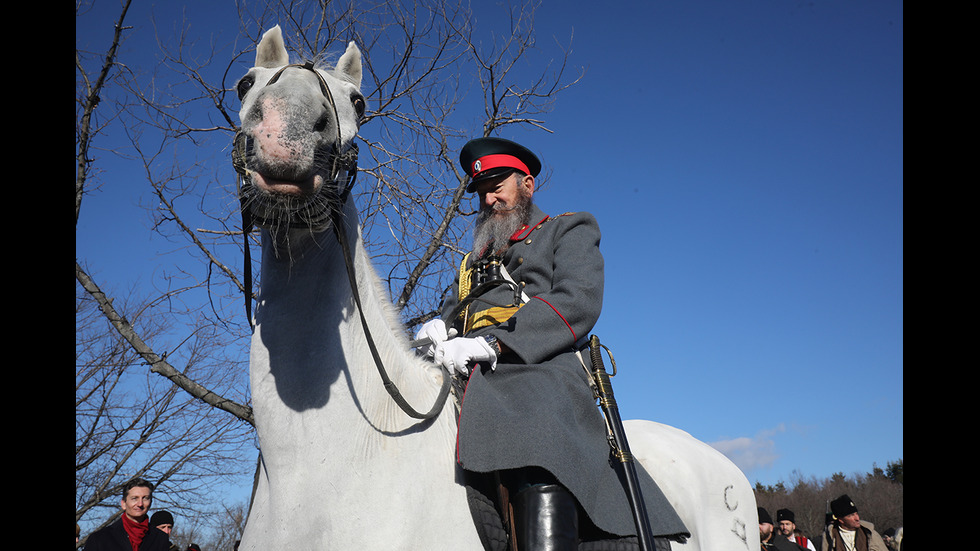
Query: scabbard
[[620, 447]]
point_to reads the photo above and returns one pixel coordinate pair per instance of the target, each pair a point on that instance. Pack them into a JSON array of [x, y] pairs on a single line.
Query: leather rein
[[340, 162]]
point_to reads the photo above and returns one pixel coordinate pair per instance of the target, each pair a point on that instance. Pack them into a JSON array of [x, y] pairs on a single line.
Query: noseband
[[339, 161]]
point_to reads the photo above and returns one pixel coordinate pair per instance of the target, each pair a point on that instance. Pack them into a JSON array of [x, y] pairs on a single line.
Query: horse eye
[[244, 85], [359, 105]]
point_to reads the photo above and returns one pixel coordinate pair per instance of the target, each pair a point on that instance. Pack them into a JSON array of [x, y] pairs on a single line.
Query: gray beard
[[492, 233]]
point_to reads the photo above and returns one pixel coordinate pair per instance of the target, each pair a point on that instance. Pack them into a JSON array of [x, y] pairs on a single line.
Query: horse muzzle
[[278, 197]]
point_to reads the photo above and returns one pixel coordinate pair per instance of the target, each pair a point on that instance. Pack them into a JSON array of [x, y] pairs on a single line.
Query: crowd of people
[[135, 528], [844, 531]]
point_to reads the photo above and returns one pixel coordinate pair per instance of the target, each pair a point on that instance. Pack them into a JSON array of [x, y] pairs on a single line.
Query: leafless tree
[[129, 422], [432, 82]]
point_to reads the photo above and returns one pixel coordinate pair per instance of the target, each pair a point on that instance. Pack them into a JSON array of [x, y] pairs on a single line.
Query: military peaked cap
[[484, 158]]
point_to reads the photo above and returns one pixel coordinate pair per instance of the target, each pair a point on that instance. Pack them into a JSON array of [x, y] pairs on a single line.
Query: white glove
[[435, 331], [456, 354]]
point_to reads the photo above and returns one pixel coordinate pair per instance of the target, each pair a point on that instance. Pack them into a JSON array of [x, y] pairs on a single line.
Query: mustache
[[500, 207]]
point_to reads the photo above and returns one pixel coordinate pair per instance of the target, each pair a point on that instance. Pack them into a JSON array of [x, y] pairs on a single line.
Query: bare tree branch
[[88, 101], [157, 363]]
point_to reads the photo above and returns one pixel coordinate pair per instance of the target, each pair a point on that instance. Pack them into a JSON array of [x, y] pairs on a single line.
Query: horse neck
[[305, 281]]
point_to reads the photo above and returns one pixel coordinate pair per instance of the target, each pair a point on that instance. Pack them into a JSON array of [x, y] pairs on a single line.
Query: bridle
[[340, 161]]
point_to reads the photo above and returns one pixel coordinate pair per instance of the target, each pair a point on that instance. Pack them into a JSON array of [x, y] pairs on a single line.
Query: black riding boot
[[546, 519]]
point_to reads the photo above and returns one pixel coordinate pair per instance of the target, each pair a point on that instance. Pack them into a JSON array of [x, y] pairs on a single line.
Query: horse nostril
[[321, 123]]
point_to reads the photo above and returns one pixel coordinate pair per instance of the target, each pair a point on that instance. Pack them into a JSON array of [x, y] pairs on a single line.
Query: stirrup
[[546, 519]]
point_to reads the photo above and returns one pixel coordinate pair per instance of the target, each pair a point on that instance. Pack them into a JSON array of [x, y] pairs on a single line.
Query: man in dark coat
[[164, 521], [528, 416], [770, 539], [786, 528], [131, 531]]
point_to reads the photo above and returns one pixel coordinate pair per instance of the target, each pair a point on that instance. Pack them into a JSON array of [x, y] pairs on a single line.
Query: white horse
[[342, 465]]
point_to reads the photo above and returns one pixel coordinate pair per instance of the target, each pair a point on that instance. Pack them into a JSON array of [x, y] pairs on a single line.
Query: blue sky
[[745, 162]]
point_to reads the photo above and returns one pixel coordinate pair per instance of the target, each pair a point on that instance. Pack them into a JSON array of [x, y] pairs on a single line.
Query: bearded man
[[786, 520], [528, 425], [768, 536]]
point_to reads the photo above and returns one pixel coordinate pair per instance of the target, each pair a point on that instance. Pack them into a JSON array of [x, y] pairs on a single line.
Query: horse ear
[[349, 65], [271, 51]]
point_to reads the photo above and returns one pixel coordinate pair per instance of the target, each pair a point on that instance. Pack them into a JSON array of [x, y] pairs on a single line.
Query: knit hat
[[785, 514], [842, 506], [161, 517], [764, 517]]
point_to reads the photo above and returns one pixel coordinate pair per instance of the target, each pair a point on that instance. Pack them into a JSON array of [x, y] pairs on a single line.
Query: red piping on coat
[[519, 234], [560, 316]]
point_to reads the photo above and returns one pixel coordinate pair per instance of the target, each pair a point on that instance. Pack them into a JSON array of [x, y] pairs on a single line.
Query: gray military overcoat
[[536, 408]]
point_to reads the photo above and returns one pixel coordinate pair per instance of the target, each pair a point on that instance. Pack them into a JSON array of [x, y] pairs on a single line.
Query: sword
[[602, 389]]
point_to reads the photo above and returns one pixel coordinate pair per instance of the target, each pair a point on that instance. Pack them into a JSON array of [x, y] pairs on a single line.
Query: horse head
[[295, 148]]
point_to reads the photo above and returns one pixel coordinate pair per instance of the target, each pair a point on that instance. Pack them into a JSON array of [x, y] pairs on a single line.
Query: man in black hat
[[786, 527], [848, 532], [770, 540], [164, 521], [529, 293]]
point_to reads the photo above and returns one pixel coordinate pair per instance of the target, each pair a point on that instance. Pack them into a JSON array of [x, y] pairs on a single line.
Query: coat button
[[528, 242]]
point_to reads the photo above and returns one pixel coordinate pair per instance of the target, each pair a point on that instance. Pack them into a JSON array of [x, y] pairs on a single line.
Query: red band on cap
[[496, 161]]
